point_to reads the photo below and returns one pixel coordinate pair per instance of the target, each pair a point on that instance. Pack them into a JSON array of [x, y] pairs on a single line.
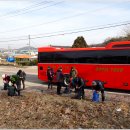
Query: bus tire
[[66, 80]]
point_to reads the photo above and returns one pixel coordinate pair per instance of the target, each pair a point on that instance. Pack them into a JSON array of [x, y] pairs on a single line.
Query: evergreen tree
[[79, 43]]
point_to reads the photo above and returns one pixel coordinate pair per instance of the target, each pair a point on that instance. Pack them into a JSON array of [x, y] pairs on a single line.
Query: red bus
[[110, 64]]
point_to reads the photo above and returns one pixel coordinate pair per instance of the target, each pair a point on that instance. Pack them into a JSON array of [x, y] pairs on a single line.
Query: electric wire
[[72, 32], [25, 9], [53, 21]]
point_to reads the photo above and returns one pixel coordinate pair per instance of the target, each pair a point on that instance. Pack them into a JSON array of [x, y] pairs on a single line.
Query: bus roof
[[118, 44], [111, 45]]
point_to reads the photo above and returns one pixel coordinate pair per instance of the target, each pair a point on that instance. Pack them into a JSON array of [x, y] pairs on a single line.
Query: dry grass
[[38, 110]]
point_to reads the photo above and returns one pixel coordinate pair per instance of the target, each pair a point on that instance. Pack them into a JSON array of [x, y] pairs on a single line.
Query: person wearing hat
[[98, 86]]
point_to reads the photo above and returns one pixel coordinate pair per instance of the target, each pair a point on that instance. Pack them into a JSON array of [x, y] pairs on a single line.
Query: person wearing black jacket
[[12, 90], [79, 84], [59, 77], [50, 75], [99, 86], [22, 76]]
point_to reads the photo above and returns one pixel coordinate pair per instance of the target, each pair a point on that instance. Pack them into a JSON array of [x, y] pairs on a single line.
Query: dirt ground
[[42, 108], [48, 110]]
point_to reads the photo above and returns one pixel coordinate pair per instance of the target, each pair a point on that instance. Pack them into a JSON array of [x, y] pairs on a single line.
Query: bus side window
[[113, 60], [120, 59], [45, 57], [87, 60], [104, 60], [81, 60], [41, 68], [63, 57], [92, 60], [128, 60]]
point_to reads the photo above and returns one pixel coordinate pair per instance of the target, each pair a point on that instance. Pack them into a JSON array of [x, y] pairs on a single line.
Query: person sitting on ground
[[98, 86], [79, 84], [6, 80]]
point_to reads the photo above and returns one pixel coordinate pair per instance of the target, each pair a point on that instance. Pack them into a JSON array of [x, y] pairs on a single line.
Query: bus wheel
[[66, 81]]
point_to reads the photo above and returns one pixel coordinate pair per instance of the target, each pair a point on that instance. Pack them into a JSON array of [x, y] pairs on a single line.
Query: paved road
[[33, 83], [31, 79]]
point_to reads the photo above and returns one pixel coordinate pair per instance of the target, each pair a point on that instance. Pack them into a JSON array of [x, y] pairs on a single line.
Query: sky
[[60, 22]]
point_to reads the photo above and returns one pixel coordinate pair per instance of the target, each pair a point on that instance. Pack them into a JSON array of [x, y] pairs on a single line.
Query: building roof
[[23, 56], [61, 46]]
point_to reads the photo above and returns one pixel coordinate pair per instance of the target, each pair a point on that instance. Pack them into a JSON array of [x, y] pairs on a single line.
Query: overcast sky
[[60, 22]]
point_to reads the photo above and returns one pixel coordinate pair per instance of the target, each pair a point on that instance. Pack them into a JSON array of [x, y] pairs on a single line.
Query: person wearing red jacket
[[6, 80]]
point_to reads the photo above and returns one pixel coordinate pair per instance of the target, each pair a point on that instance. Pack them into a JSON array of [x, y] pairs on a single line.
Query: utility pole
[[29, 44], [8, 49]]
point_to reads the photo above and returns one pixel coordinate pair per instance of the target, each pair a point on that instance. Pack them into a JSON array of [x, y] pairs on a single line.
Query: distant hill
[[27, 48], [3, 49]]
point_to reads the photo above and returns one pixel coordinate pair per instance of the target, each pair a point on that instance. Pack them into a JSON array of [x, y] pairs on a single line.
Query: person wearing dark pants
[[22, 76], [103, 95], [23, 83], [12, 91], [59, 85], [50, 75], [73, 75], [99, 86], [6, 80], [79, 84], [59, 76], [18, 84]]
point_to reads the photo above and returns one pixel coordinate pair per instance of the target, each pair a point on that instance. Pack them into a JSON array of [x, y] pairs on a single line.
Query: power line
[[72, 32], [56, 3], [51, 33], [56, 20], [25, 9], [86, 30], [123, 22], [22, 39]]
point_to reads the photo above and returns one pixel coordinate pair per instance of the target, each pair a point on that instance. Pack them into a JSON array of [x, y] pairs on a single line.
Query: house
[[23, 59]]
